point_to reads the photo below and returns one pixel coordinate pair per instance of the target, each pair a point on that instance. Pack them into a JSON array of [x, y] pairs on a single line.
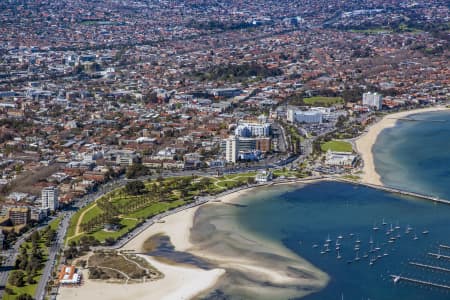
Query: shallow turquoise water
[[413, 156], [416, 155]]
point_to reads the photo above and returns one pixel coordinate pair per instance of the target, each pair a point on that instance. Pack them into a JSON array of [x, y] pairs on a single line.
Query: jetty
[[430, 267], [444, 246], [398, 278], [438, 255], [395, 190]]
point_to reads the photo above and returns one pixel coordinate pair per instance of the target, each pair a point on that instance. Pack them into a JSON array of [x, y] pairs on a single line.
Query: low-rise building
[[68, 275], [343, 159], [264, 176], [19, 215]]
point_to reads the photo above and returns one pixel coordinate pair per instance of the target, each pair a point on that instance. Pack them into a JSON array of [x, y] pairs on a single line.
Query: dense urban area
[[97, 95]]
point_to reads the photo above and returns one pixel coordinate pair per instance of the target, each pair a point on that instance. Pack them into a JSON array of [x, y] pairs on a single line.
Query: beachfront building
[[372, 100], [308, 116], [49, 198], [264, 176], [68, 275], [241, 148], [342, 159]]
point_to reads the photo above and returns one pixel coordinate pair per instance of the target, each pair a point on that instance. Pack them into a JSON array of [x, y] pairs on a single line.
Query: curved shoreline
[[185, 282], [364, 144]]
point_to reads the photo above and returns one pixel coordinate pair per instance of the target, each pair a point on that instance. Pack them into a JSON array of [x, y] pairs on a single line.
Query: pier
[[438, 255], [398, 278], [444, 246], [396, 191], [434, 268]]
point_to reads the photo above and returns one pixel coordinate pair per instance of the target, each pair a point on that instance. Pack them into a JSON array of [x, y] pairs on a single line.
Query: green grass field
[[323, 101], [337, 146], [172, 199]]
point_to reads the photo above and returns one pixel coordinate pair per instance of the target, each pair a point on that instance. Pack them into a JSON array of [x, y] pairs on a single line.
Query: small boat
[[397, 226], [315, 246], [415, 237], [377, 248], [339, 256], [385, 254], [322, 252], [328, 240], [340, 237], [338, 248], [351, 234], [337, 243], [357, 258], [375, 227], [384, 223], [371, 241], [366, 255], [357, 240], [425, 232]]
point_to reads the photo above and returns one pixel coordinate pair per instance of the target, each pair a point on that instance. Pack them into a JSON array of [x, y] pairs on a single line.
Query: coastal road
[[53, 252]]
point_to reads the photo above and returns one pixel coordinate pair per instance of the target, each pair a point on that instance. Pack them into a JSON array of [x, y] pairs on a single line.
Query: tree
[[135, 188], [17, 278], [137, 170], [24, 297]]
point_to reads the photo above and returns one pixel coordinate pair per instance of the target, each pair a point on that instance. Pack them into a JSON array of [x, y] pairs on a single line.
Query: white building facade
[[372, 100], [252, 129], [50, 197], [309, 116], [232, 149]]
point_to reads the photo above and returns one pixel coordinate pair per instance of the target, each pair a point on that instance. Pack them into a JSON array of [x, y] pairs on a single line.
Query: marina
[[398, 278], [434, 268]]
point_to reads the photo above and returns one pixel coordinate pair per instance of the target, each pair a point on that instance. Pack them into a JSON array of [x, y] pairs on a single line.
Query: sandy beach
[[185, 282], [179, 282], [364, 144]]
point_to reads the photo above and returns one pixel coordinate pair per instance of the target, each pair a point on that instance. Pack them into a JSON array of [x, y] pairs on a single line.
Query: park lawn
[[337, 146], [91, 213], [73, 222], [373, 30], [55, 223], [154, 209], [128, 225], [29, 289], [323, 101], [286, 173]]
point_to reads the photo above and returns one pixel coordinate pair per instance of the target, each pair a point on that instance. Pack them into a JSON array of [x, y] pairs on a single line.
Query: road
[[56, 246], [11, 254], [10, 258]]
